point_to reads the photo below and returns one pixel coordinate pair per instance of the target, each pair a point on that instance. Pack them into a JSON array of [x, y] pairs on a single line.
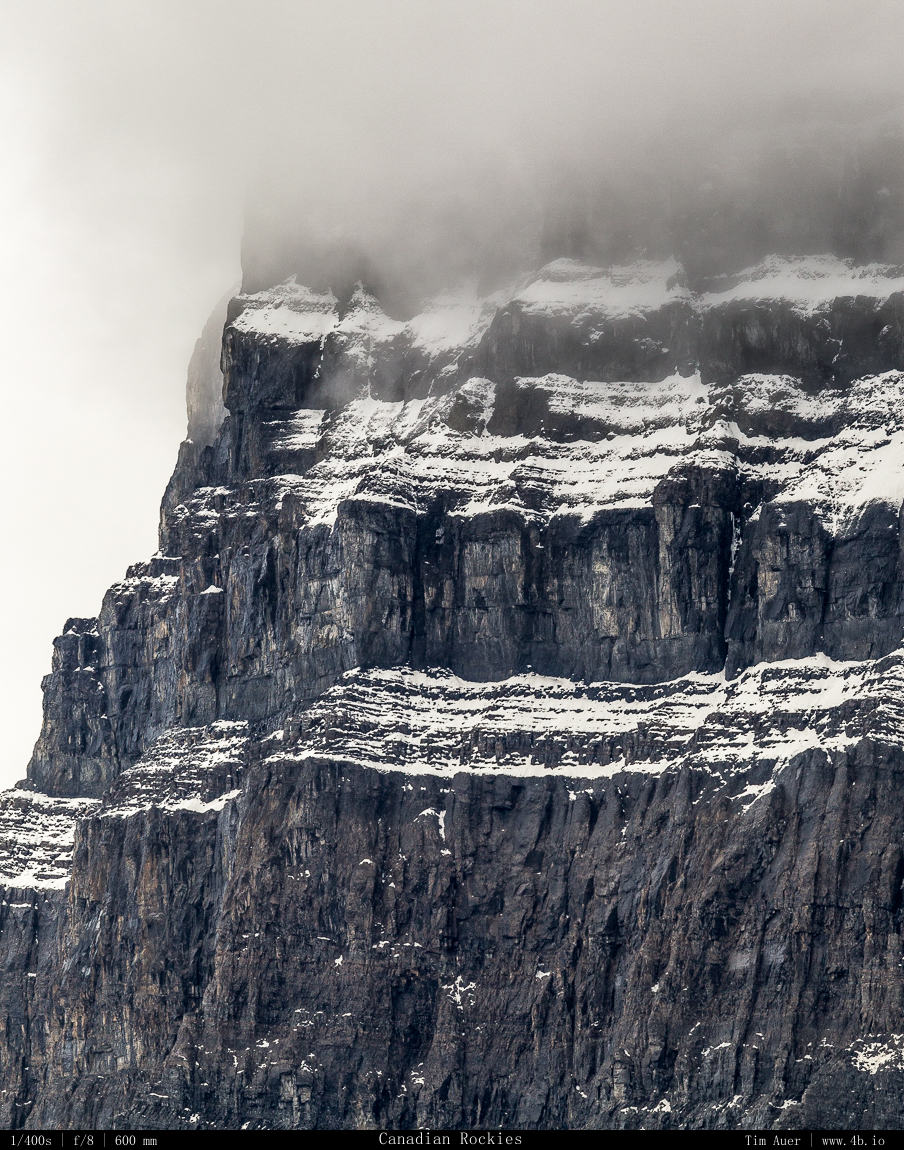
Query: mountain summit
[[507, 733]]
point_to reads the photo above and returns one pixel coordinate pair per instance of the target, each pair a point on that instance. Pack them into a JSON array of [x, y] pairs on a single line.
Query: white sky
[[129, 131], [112, 257]]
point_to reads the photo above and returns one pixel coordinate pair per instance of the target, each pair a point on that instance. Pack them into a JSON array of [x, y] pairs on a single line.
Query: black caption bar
[[528, 1139]]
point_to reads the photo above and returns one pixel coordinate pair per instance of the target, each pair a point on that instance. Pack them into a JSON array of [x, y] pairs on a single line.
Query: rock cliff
[[509, 730]]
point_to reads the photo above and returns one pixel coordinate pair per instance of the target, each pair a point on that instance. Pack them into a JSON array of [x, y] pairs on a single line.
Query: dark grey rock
[[507, 732]]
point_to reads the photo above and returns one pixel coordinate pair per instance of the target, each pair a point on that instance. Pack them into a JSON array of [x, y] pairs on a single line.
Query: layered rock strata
[[508, 731]]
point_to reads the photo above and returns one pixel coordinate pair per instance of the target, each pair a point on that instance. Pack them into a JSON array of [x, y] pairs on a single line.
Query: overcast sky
[[131, 132]]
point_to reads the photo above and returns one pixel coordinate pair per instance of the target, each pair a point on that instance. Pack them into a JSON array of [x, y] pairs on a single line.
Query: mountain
[[509, 730]]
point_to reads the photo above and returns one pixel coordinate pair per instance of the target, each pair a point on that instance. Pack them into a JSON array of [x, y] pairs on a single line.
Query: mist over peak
[[398, 140], [798, 185]]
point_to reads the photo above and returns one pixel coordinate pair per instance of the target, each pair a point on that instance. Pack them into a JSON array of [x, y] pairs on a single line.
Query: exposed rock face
[[508, 731]]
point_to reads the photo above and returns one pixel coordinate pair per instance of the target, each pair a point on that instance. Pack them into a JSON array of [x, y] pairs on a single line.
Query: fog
[[428, 139]]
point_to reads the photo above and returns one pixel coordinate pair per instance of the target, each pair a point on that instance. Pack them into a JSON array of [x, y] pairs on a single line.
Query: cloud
[[359, 115]]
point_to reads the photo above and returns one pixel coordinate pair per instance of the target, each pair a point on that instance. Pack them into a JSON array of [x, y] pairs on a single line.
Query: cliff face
[[507, 732]]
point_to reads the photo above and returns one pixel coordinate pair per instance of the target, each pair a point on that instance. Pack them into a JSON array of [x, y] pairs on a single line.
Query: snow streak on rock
[[37, 833], [530, 725]]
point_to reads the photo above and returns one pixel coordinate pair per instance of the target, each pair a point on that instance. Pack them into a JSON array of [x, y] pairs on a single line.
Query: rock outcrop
[[508, 732]]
